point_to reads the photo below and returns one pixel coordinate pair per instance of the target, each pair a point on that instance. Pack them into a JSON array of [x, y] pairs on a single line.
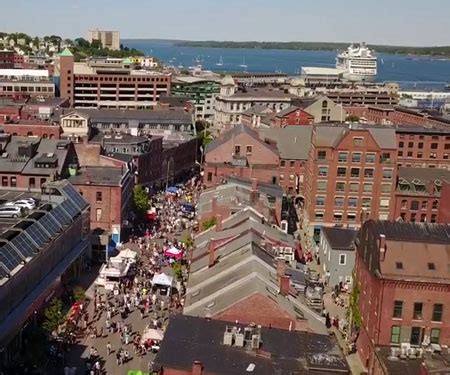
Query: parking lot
[[10, 196]]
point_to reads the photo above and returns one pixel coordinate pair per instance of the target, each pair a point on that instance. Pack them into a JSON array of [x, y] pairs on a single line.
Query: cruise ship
[[358, 63]]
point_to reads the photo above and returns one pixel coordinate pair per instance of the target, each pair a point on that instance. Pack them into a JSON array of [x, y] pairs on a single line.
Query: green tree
[[352, 118], [177, 270], [54, 315], [140, 200], [188, 241], [353, 312], [207, 224], [83, 43], [79, 294]]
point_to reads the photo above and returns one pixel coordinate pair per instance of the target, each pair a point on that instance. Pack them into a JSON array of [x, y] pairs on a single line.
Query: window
[[413, 217], [321, 155], [292, 163], [400, 153], [420, 155], [351, 217], [435, 205], [342, 157], [437, 312], [4, 181], [423, 218], [417, 313], [410, 144], [291, 177], [323, 171], [401, 144], [209, 176], [282, 163], [337, 217], [410, 154], [399, 265], [98, 214], [339, 201], [354, 172], [370, 158], [368, 173], [387, 174], [324, 104], [281, 176], [404, 204], [414, 205], [320, 201], [367, 188], [365, 202], [354, 187], [319, 216], [32, 183], [395, 334], [341, 171], [385, 188], [415, 335], [356, 157], [433, 218], [249, 150], [398, 309], [447, 146], [321, 185], [98, 197], [434, 336], [237, 150], [13, 182], [384, 203], [420, 145], [342, 259], [352, 202], [434, 146], [433, 155], [358, 141], [340, 186]]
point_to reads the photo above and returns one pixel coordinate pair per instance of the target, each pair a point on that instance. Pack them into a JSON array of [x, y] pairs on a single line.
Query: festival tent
[[173, 252], [172, 189], [152, 334], [128, 254], [162, 279]]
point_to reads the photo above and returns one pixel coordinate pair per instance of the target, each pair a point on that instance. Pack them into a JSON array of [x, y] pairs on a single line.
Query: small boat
[[243, 65], [180, 66], [220, 63]]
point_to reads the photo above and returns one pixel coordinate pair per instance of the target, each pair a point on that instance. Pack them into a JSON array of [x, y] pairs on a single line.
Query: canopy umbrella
[[152, 334], [128, 254], [172, 189], [162, 279], [173, 252]]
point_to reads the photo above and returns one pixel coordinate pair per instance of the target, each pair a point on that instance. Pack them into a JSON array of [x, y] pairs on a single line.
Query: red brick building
[[240, 152], [291, 116], [6, 59], [29, 128], [402, 275], [350, 176], [108, 190], [422, 195]]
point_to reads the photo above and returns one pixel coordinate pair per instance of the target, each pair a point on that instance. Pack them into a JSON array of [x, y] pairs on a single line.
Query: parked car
[[10, 211], [24, 203]]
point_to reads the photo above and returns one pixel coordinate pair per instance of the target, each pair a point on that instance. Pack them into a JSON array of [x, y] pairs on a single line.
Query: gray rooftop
[[293, 142], [101, 176]]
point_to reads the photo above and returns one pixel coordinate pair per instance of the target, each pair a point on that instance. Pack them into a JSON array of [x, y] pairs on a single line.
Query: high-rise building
[[108, 39]]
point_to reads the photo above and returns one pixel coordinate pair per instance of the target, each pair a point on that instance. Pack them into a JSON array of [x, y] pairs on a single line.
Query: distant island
[[440, 51]]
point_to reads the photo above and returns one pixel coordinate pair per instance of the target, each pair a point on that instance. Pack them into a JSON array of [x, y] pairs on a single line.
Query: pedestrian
[[108, 348]]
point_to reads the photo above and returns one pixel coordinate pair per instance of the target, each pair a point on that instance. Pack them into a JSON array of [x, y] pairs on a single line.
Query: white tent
[[128, 254], [162, 279], [152, 334]]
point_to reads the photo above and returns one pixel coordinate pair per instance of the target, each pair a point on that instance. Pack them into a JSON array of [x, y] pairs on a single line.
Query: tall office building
[[109, 39]]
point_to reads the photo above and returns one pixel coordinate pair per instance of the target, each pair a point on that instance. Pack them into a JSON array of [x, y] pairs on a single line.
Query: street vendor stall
[[129, 255], [163, 280], [174, 253], [172, 190]]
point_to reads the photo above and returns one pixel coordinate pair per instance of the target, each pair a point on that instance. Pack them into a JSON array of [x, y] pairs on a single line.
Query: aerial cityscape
[[225, 189]]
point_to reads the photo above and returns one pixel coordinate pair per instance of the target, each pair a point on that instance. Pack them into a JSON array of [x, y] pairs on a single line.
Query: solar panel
[[70, 208], [61, 216], [38, 233], [3, 271], [50, 224], [74, 196], [9, 257], [24, 245]]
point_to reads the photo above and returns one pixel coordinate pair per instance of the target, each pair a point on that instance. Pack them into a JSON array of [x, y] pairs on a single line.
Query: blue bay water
[[409, 71]]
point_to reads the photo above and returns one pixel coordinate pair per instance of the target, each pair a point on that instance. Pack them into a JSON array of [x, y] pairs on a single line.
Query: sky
[[393, 22]]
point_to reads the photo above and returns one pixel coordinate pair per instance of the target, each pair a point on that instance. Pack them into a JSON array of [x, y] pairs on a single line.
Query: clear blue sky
[[406, 22]]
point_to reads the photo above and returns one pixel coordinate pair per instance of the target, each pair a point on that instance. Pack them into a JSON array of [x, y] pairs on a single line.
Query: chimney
[[382, 247], [197, 368], [254, 191], [218, 222], [211, 253], [285, 285], [281, 267]]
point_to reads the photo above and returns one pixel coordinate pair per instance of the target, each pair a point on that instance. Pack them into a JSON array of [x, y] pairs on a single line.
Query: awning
[[128, 254], [173, 252], [162, 279], [172, 189], [152, 334]]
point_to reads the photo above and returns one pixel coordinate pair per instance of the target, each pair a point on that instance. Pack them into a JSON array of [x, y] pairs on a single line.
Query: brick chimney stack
[[211, 253], [254, 191], [382, 247], [285, 285], [218, 222], [281, 267], [197, 368]]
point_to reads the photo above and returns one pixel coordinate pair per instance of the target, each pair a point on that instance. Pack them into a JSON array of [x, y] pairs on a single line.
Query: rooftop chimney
[[281, 267], [382, 247], [285, 285], [218, 222], [211, 253], [254, 191], [197, 368]]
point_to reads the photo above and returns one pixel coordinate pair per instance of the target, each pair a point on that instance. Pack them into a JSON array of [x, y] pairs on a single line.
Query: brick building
[[421, 195], [291, 116], [402, 275], [109, 83], [31, 128], [108, 190], [350, 176], [240, 152], [293, 143], [6, 59], [16, 83]]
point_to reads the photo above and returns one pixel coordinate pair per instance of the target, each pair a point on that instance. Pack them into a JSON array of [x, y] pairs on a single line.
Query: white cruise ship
[[358, 63]]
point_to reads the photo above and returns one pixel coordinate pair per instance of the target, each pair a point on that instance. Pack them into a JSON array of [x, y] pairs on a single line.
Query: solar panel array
[[70, 192], [27, 244]]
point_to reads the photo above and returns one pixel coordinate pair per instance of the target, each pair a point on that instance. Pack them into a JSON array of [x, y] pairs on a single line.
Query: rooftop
[[125, 139], [99, 176], [281, 351], [418, 180], [293, 142], [340, 238], [263, 93]]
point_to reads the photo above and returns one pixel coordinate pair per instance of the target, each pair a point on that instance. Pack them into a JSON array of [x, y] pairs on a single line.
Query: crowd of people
[[108, 319]]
